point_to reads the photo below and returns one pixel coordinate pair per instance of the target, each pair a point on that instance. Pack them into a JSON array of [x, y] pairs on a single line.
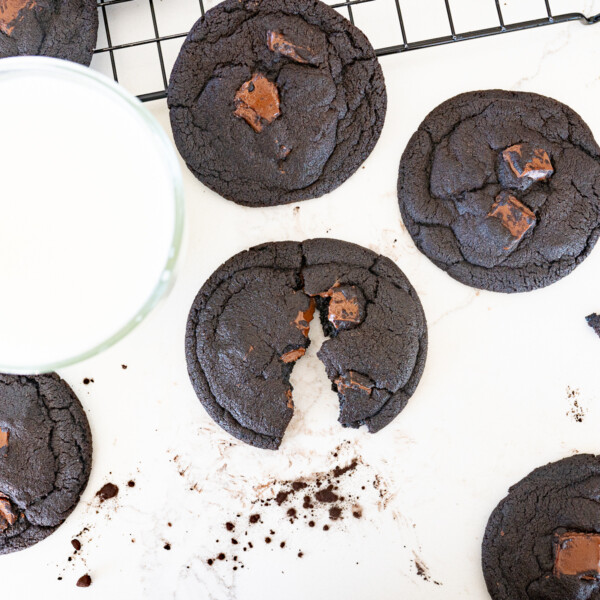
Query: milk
[[87, 213]]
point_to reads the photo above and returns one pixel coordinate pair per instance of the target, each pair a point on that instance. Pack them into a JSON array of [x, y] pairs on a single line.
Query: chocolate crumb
[[229, 526], [210, 561], [87, 381], [131, 483], [291, 512], [335, 512], [299, 485], [282, 497], [339, 471], [167, 546], [311, 523], [267, 540], [107, 491], [254, 519], [282, 545], [325, 527], [84, 581], [326, 495], [123, 366], [300, 554], [221, 556], [76, 544], [234, 541]]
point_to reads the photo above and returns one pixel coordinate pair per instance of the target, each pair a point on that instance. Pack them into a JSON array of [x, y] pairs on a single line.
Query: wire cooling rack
[[397, 20]]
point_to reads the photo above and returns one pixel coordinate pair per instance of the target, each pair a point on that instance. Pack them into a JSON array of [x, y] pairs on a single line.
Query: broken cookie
[[249, 324]]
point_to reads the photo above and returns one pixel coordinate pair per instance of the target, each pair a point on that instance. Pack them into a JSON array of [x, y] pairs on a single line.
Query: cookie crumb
[[84, 581], [107, 491], [593, 321], [76, 544]]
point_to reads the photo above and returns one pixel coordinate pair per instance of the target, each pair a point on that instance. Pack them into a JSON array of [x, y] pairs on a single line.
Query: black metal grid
[[404, 46]]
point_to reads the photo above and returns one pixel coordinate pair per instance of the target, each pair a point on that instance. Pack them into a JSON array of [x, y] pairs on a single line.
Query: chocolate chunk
[[302, 321], [528, 161], [257, 101], [514, 216], [11, 12], [107, 491], [7, 514], [577, 554], [84, 581], [345, 306], [4, 435], [293, 355], [353, 381], [277, 43]]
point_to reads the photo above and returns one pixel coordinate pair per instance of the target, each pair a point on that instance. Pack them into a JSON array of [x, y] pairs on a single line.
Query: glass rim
[[167, 275]]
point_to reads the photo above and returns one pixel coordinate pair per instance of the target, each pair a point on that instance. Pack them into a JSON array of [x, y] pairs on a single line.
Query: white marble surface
[[492, 405]]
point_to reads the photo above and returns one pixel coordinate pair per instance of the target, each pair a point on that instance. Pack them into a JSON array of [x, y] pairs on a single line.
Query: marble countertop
[[511, 383]]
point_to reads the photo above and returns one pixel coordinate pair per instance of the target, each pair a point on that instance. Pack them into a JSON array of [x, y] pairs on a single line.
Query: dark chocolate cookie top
[[275, 101], [58, 28], [45, 457], [249, 324], [502, 189], [542, 541]]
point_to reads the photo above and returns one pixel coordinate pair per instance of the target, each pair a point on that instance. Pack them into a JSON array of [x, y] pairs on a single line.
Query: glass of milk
[[91, 213]]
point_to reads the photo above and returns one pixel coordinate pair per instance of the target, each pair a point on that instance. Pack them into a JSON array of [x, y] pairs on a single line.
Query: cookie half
[[502, 189], [45, 457], [249, 324], [65, 29], [275, 101], [542, 541]]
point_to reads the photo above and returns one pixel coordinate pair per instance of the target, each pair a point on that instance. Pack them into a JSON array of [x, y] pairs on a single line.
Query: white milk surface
[[86, 216]]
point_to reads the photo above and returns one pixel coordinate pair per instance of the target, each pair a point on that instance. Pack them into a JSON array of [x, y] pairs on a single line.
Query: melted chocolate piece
[[302, 321], [513, 215], [277, 43], [354, 381], [257, 101], [578, 554], [293, 355], [11, 11], [525, 160], [4, 435], [8, 516]]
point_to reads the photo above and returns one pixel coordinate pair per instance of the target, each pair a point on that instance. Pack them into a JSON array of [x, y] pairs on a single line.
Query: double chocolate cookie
[[502, 189], [542, 541], [249, 324], [58, 28], [275, 101], [45, 457]]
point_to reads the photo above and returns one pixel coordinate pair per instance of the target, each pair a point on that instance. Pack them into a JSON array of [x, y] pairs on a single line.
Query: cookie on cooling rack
[[275, 101], [58, 28], [45, 457], [542, 541], [502, 189], [249, 324]]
